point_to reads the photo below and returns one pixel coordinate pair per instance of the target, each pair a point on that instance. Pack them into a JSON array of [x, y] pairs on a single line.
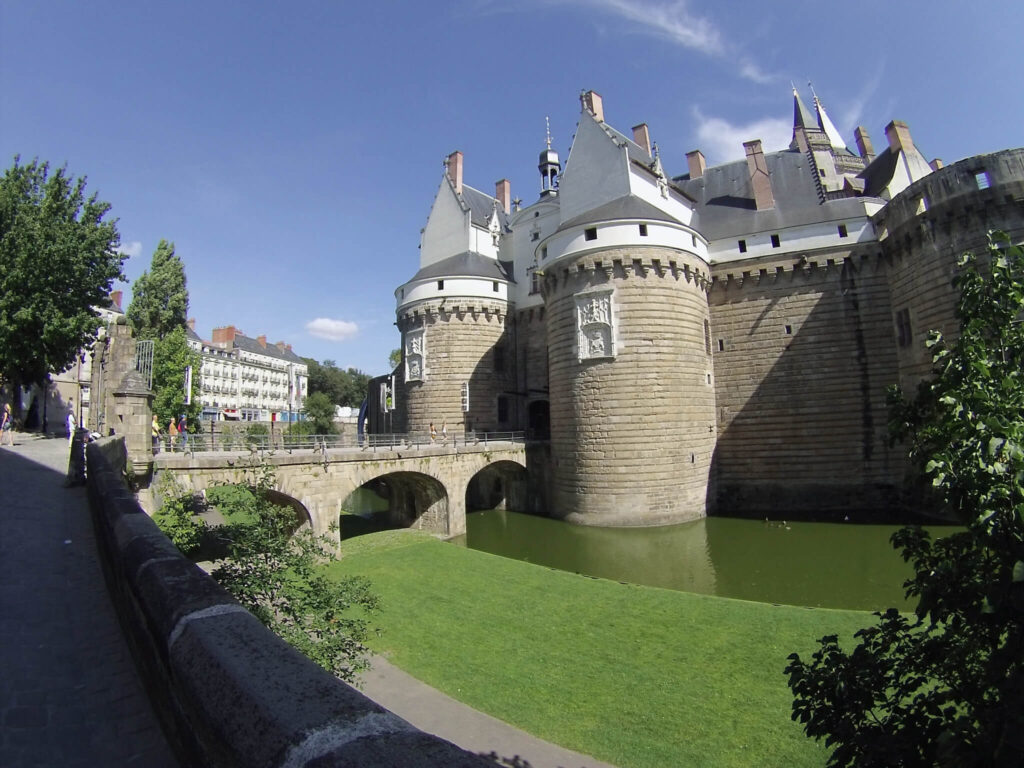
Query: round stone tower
[[453, 350], [631, 376]]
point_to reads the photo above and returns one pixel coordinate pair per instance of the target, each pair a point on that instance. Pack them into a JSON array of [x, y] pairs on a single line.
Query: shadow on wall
[[801, 394], [502, 485]]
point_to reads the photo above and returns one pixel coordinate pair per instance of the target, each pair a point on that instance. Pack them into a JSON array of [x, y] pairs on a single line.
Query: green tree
[[171, 356], [275, 572], [946, 687], [320, 410], [160, 296], [394, 359], [343, 387], [58, 261]]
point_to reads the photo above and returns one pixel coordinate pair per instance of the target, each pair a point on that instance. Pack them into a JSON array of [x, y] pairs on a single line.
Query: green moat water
[[834, 565], [828, 565]]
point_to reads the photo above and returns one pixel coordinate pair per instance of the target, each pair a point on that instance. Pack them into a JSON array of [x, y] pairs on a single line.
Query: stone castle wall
[[459, 346], [803, 355], [928, 226], [632, 434], [531, 343]]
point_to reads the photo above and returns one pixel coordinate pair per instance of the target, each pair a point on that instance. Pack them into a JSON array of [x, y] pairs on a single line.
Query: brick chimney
[[191, 323], [898, 135], [759, 180], [864, 143], [115, 299], [454, 170], [262, 340], [224, 335], [503, 192], [642, 137], [697, 163], [592, 103]]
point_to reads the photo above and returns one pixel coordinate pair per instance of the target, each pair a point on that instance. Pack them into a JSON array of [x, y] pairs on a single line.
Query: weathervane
[[547, 130]]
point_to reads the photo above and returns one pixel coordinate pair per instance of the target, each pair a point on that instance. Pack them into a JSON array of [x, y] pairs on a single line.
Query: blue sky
[[291, 151]]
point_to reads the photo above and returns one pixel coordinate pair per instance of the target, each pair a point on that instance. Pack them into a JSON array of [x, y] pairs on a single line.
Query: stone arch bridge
[[426, 487]]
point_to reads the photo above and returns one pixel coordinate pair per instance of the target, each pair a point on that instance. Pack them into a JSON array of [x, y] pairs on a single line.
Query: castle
[[721, 339]]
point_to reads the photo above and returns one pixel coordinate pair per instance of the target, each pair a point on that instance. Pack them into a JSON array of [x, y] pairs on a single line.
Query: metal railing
[[242, 443]]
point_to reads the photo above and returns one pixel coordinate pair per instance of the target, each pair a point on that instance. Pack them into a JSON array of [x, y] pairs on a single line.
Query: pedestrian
[[7, 425], [172, 434], [72, 426], [433, 432], [156, 435], [444, 431], [183, 432]]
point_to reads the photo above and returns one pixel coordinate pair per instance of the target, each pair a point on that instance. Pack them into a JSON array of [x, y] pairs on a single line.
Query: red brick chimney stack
[[593, 104], [759, 179], [262, 340], [454, 169], [697, 163], [503, 192], [642, 137], [224, 335]]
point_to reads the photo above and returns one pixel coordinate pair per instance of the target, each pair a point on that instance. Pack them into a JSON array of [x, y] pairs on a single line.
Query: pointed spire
[[547, 130], [802, 117], [802, 121], [834, 137]]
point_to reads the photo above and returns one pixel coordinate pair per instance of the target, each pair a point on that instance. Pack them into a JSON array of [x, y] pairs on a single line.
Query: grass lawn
[[636, 676]]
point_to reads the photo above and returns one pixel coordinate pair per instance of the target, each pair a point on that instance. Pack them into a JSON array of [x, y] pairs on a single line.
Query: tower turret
[[549, 166]]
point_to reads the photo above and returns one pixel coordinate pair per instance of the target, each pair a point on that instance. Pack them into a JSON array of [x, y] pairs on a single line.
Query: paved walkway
[[69, 691], [434, 712]]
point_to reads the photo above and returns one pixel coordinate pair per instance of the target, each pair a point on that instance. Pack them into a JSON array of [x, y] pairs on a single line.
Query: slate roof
[[191, 335], [625, 207], [465, 264], [481, 206], [725, 200], [246, 344]]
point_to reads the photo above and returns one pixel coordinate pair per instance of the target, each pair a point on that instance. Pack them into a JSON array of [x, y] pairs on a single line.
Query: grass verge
[[636, 676]]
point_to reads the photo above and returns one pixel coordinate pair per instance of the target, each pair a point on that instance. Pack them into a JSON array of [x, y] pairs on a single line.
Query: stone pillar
[[132, 419]]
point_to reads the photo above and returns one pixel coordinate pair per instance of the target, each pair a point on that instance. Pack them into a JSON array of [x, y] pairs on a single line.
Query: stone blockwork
[[633, 400], [803, 355], [113, 357], [462, 343], [427, 485], [926, 227], [232, 693], [531, 347]]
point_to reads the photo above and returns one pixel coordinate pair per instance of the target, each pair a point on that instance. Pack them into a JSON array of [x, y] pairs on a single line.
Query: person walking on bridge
[[7, 425]]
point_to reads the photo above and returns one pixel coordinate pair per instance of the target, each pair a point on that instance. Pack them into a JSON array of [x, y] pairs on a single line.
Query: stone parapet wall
[[232, 693], [924, 230], [804, 352], [459, 343], [632, 434]]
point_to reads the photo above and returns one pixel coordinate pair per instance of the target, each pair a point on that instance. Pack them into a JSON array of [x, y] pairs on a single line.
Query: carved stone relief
[[415, 355], [594, 330]]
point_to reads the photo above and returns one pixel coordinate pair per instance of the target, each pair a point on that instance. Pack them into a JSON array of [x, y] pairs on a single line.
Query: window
[[499, 358], [743, 246], [544, 252], [502, 409], [789, 330], [534, 237], [721, 345], [776, 242], [440, 285], [842, 230], [982, 180], [643, 230], [707, 337], [494, 286], [590, 233], [904, 334]]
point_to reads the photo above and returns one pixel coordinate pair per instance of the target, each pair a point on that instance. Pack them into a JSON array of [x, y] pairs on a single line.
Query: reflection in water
[[832, 565]]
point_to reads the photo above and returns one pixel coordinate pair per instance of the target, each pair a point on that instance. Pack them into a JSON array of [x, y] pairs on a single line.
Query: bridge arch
[[500, 485], [414, 499]]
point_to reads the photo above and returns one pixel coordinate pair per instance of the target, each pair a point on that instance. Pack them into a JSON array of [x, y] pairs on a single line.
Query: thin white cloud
[[853, 113], [722, 141], [333, 330], [751, 71], [672, 20], [132, 249]]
